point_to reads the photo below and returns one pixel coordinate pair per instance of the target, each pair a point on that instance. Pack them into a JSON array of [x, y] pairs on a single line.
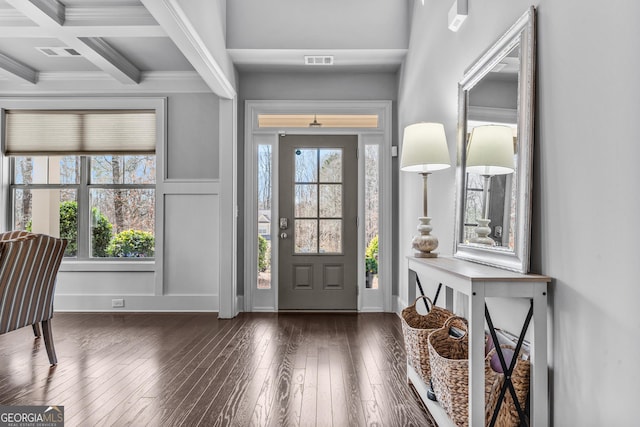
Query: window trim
[[159, 104]]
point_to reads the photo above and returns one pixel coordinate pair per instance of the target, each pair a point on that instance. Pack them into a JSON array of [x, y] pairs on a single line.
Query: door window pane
[[306, 201], [306, 232], [331, 236], [306, 165], [314, 201], [331, 200], [330, 165]]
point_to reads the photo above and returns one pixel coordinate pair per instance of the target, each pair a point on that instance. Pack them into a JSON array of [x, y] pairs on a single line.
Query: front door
[[318, 185]]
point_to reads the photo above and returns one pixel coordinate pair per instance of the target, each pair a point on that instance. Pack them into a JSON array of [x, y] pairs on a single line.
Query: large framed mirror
[[495, 151]]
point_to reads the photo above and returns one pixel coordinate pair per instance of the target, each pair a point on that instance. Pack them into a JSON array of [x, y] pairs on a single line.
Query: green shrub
[[371, 256], [132, 243], [101, 232], [263, 260], [69, 226]]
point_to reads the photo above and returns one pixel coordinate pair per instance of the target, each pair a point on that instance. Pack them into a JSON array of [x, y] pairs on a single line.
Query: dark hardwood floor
[[194, 369]]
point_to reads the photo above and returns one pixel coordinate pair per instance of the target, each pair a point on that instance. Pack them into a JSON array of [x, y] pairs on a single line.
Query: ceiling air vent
[[318, 60], [59, 51]]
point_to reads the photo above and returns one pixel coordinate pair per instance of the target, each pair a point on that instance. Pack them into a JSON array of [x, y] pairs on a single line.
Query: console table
[[479, 282]]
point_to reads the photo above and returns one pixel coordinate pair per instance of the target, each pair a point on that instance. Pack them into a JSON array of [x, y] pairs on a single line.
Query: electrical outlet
[[117, 303]]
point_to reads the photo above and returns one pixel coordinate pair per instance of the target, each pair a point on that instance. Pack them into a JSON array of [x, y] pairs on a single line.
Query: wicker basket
[[508, 414], [416, 328], [450, 369], [450, 378]]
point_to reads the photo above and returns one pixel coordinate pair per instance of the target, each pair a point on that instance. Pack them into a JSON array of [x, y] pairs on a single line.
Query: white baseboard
[[398, 305], [371, 310], [135, 303]]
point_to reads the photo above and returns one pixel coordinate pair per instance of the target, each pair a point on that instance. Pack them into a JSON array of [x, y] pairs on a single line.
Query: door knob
[[283, 235]]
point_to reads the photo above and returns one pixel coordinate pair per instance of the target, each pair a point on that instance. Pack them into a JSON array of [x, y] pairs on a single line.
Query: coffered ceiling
[[113, 45], [122, 46]]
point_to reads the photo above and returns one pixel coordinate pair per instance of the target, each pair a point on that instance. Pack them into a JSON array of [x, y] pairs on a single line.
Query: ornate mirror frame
[[521, 34]]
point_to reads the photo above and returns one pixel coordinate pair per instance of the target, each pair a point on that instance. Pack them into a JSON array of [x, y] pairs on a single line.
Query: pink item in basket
[[495, 360], [488, 346]]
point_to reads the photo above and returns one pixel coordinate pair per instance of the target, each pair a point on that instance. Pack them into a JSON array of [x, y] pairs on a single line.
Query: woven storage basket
[[449, 358], [508, 414], [416, 328]]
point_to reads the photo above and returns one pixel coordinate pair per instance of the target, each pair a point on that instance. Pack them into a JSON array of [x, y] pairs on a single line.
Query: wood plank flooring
[[189, 369]]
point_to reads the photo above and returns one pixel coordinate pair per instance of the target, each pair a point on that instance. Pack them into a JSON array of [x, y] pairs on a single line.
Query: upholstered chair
[[29, 266]]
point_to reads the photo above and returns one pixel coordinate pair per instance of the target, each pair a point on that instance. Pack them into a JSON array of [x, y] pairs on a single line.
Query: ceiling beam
[[114, 15], [51, 8], [83, 31], [98, 82], [108, 59], [122, 21], [170, 15], [50, 15], [13, 17], [16, 70]]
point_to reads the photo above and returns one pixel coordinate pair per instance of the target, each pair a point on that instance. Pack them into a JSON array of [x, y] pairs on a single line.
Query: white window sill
[[107, 266]]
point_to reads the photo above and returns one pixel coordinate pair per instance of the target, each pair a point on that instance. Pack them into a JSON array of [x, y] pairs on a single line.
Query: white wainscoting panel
[[105, 283], [191, 258]]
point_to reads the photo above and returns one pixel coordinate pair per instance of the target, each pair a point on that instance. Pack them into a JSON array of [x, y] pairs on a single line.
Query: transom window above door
[[347, 121]]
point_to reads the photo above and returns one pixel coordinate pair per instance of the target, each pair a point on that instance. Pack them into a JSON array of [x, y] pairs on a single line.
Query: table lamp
[[424, 150], [490, 152]]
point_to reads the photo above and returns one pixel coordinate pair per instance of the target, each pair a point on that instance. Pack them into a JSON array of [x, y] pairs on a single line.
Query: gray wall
[[585, 195], [494, 93], [304, 86], [187, 256], [192, 151], [327, 24]]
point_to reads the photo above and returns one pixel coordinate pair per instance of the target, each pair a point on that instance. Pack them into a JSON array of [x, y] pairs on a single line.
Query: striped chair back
[[29, 266]]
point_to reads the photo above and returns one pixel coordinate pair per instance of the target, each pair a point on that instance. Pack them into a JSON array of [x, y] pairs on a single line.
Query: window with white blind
[[87, 176]]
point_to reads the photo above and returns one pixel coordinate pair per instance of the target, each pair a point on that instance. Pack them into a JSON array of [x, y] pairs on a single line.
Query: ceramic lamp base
[[424, 243], [482, 233]]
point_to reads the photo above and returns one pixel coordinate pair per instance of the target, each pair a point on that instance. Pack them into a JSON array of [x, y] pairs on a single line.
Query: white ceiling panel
[[151, 54], [24, 51]]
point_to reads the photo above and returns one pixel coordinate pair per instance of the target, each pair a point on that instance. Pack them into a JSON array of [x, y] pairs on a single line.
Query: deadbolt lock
[[284, 223]]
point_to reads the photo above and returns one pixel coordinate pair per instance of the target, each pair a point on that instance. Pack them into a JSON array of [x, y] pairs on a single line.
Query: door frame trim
[[368, 299]]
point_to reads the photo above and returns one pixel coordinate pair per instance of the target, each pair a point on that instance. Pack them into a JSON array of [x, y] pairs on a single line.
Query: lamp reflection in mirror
[[490, 152], [424, 150]]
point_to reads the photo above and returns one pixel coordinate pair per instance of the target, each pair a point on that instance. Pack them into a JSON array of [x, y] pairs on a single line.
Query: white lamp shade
[[424, 148], [490, 150]]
